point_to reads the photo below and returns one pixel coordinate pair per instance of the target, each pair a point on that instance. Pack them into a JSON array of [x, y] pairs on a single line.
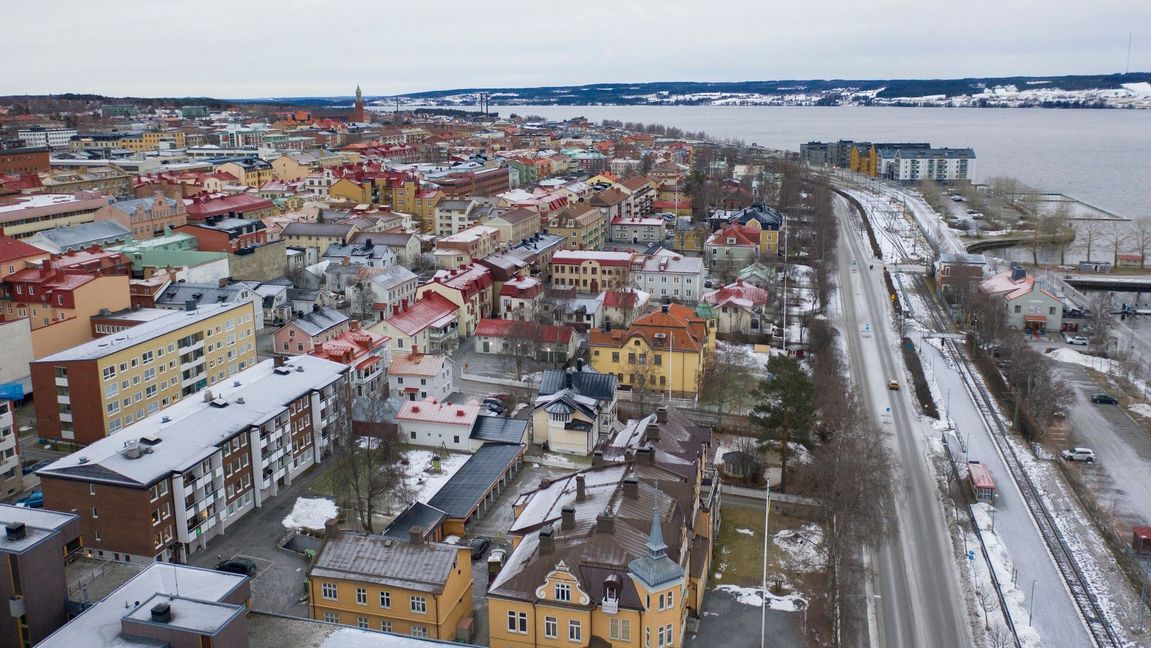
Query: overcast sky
[[250, 48]]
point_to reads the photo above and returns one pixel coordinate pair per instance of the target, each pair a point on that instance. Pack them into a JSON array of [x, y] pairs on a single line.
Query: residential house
[[177, 296], [366, 254], [582, 226], [365, 353], [242, 205], [637, 230], [622, 306], [303, 334], [1029, 307], [516, 224], [317, 236], [758, 275], [664, 351], [734, 246], [416, 588], [521, 298], [957, 272], [668, 275], [405, 244], [387, 290], [146, 217], [590, 270], [15, 255], [526, 339], [574, 409], [437, 424], [430, 324], [467, 246], [455, 215], [469, 288], [740, 308], [417, 376]]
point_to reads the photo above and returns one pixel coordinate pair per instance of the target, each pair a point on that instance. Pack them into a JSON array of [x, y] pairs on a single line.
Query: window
[[575, 632], [362, 622], [615, 356], [385, 599], [551, 628], [331, 617], [518, 622], [420, 631], [95, 513], [620, 629], [328, 591], [563, 592], [385, 626], [361, 593], [419, 605], [109, 372]]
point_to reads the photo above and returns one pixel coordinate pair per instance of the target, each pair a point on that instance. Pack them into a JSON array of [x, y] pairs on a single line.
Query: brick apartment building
[[34, 546], [96, 388], [162, 487], [26, 159]]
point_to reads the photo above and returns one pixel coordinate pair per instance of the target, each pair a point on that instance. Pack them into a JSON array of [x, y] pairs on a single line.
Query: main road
[[919, 597]]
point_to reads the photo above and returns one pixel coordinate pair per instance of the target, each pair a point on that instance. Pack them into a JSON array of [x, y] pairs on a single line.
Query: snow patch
[[745, 531], [311, 513], [802, 547], [420, 477], [1142, 409], [754, 596]]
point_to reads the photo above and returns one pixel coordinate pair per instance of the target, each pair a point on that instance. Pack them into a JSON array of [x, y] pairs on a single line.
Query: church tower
[[358, 112]]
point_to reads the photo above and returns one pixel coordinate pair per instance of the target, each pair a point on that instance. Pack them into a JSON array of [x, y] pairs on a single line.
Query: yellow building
[[581, 573], [146, 361], [582, 226], [150, 140], [348, 189], [253, 172], [664, 351], [424, 209], [288, 169], [376, 582]]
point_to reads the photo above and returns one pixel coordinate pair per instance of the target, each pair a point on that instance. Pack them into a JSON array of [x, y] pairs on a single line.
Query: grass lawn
[[740, 555]]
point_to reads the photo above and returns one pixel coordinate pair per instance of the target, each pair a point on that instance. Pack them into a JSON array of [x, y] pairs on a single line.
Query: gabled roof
[[318, 321], [418, 514], [744, 236], [499, 429], [14, 249], [433, 309], [545, 333], [417, 364], [584, 381], [432, 411], [738, 294], [423, 567], [472, 482]]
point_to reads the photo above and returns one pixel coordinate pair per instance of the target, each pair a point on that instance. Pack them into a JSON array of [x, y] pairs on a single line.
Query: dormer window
[[563, 592]]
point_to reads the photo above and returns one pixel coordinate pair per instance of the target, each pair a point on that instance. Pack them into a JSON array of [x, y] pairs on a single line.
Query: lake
[[1102, 157]]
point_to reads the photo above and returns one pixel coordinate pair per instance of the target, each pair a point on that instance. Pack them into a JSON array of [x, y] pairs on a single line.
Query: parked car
[[241, 566], [972, 212], [480, 545], [893, 385], [977, 216], [33, 467], [1075, 339], [34, 500], [1105, 399], [1078, 454], [957, 199]]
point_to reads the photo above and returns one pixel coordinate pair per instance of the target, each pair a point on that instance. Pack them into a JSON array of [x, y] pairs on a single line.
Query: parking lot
[[1122, 450], [725, 621]]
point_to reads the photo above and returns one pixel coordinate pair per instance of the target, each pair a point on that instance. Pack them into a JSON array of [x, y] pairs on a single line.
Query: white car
[[1077, 340], [1078, 454]]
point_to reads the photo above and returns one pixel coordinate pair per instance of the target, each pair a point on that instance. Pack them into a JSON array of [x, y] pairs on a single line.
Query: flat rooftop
[[141, 333], [39, 525]]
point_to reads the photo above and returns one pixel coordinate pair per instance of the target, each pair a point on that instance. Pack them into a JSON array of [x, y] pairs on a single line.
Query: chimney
[[644, 455], [605, 523], [631, 487], [579, 364], [15, 531], [544, 483], [665, 308], [278, 361], [547, 542], [416, 535], [162, 612], [331, 527], [661, 416], [189, 305], [581, 488], [567, 518], [597, 459], [208, 396]]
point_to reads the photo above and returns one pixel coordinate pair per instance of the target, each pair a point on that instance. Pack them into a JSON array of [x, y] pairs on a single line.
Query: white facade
[[9, 438], [50, 137], [437, 424], [669, 274], [416, 385]]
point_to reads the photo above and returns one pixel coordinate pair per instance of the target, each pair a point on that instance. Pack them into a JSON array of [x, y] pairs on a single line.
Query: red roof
[[353, 348], [13, 250], [522, 288], [739, 293], [430, 310], [620, 299], [548, 334], [201, 207], [743, 235], [468, 279], [430, 411], [576, 257], [980, 476]]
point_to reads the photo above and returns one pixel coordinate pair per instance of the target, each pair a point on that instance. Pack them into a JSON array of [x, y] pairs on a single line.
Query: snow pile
[[1102, 365], [754, 596], [802, 547], [419, 477], [745, 531], [311, 513], [1142, 409]]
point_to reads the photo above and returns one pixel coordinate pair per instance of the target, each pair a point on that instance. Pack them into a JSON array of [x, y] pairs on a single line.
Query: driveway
[[727, 622], [278, 586], [1119, 476]]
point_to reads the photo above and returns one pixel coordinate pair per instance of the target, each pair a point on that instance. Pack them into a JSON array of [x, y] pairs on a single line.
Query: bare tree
[[986, 600], [1115, 237], [1091, 234], [1141, 240], [523, 343], [727, 373], [365, 455]]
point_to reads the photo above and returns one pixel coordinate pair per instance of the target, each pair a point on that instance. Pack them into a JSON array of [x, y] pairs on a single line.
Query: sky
[[256, 48]]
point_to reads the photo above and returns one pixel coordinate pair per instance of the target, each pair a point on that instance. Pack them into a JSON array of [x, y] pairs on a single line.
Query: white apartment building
[[50, 137], [669, 274]]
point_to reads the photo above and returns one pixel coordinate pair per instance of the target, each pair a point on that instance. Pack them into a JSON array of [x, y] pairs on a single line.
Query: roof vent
[[459, 412], [15, 530], [150, 439], [162, 613], [300, 368], [283, 371], [165, 419], [131, 449], [219, 402], [235, 383], [82, 459]]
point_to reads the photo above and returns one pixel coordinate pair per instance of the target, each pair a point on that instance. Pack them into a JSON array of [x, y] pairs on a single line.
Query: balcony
[[610, 605]]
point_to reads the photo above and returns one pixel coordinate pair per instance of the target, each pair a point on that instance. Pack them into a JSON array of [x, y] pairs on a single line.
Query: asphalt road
[[919, 597]]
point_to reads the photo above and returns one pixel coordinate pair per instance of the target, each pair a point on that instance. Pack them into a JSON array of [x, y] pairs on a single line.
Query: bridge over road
[[1117, 283]]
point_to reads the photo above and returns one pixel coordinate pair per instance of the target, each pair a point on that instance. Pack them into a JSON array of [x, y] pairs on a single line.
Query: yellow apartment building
[[416, 588], [662, 351], [147, 361]]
